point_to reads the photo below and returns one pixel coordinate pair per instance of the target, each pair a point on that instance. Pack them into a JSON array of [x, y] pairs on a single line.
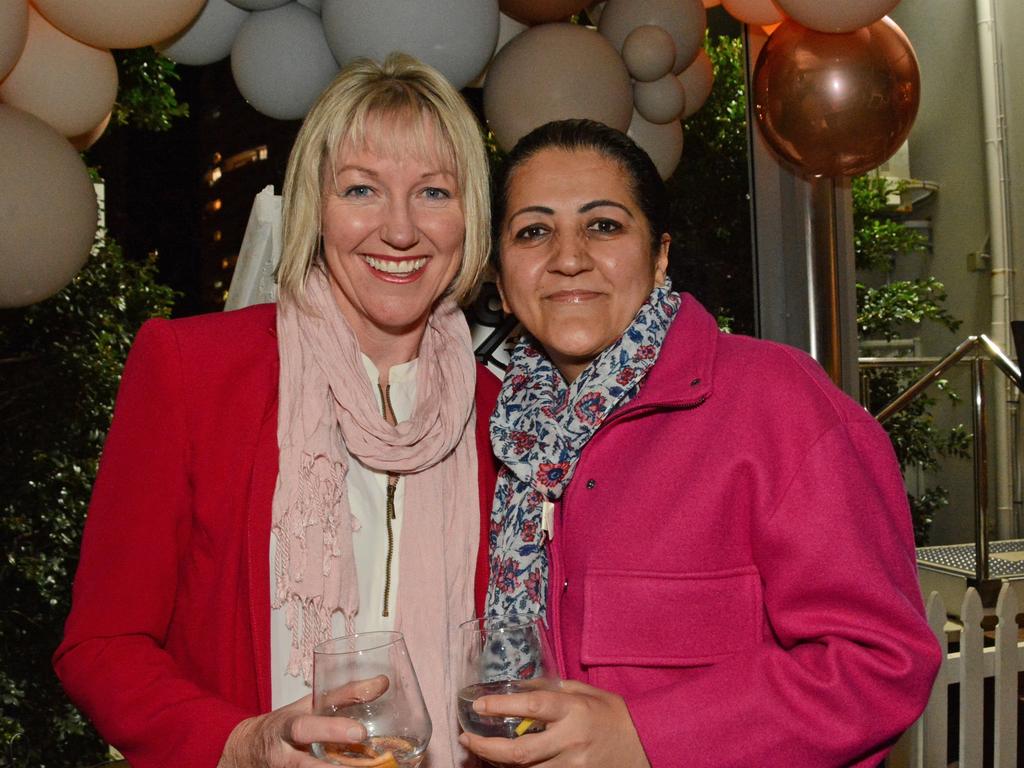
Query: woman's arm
[[112, 661]]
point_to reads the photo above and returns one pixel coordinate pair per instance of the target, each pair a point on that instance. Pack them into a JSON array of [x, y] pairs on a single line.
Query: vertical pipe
[[997, 173]]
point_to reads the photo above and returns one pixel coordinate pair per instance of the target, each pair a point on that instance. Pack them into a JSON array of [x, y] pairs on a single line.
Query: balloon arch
[[835, 88]]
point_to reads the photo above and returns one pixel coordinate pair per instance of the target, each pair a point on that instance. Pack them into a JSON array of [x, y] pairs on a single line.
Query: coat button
[[565, 585], [695, 382], [591, 483]]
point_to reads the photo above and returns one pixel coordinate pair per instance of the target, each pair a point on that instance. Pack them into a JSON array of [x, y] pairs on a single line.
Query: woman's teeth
[[404, 267]]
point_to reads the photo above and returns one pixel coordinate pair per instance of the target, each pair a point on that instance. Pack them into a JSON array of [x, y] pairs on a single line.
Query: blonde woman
[[243, 510]]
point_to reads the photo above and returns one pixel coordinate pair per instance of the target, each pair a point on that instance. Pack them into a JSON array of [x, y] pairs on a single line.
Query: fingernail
[[463, 739], [479, 706], [355, 733]]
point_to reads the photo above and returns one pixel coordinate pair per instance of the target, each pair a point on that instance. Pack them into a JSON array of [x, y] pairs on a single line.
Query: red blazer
[[167, 646]]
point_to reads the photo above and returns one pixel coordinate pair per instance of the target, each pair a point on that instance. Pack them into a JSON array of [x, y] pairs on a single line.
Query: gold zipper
[[389, 511]]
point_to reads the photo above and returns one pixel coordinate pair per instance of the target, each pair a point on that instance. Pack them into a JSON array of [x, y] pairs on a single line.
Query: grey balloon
[[555, 72], [664, 143], [660, 101], [259, 5], [649, 53], [281, 61], [457, 37], [313, 5], [209, 37], [685, 20], [47, 209]]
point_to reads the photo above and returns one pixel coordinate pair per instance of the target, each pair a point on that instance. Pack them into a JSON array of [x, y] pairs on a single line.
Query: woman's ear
[[661, 259], [501, 292]]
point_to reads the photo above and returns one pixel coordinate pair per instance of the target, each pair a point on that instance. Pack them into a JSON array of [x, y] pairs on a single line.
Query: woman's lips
[[573, 296], [404, 269]]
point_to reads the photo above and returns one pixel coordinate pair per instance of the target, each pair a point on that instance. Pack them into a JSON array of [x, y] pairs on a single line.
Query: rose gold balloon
[[836, 104], [542, 11]]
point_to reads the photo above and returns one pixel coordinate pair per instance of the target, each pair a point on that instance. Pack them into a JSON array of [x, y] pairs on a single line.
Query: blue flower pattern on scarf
[[538, 431]]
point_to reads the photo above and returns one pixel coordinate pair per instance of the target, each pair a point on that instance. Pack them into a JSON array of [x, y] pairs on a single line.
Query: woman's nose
[[571, 255], [399, 228]]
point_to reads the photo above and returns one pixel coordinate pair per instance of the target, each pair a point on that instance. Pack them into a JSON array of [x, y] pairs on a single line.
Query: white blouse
[[367, 498]]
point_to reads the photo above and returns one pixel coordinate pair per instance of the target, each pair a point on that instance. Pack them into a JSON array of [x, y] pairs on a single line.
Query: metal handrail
[[980, 344]]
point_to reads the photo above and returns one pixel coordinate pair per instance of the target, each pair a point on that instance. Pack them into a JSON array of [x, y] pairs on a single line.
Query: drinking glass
[[347, 683], [501, 655]]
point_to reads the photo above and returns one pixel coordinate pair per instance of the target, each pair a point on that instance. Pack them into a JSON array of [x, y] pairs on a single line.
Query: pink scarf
[[327, 401]]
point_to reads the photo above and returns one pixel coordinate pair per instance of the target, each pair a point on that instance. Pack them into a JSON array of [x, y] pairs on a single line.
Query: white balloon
[[456, 37], [47, 209], [685, 20], [508, 28], [13, 33], [281, 61], [836, 17], [660, 101], [259, 5], [664, 143], [697, 80], [209, 37]]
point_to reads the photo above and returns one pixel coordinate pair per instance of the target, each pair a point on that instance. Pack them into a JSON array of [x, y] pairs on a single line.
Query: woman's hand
[[585, 726], [281, 739]]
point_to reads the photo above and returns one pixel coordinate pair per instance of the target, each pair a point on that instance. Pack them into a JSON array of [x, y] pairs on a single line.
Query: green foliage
[[885, 312], [146, 98], [878, 239], [61, 361], [710, 215]]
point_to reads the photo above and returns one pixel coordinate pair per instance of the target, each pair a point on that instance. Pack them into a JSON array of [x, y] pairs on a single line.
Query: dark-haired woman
[[719, 536]]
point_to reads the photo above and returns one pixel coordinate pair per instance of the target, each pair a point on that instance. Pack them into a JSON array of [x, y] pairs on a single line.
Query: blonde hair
[[401, 89]]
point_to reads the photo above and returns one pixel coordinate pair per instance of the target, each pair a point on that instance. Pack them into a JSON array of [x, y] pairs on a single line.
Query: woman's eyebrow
[[601, 203], [533, 209]]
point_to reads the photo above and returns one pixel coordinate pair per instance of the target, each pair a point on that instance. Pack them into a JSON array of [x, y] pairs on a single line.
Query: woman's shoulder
[[240, 331]]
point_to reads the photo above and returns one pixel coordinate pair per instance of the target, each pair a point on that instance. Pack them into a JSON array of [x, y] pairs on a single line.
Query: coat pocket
[[657, 619]]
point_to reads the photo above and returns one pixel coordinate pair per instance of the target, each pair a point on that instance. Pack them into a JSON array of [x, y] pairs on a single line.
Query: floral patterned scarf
[[538, 431]]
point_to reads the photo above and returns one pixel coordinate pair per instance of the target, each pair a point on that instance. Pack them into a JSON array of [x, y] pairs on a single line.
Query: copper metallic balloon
[[836, 104]]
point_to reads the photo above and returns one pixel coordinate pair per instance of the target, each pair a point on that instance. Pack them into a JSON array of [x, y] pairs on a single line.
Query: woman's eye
[[606, 226], [436, 193], [357, 190], [531, 232]]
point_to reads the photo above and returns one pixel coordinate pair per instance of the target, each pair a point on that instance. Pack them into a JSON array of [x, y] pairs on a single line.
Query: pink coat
[[167, 646], [734, 556]]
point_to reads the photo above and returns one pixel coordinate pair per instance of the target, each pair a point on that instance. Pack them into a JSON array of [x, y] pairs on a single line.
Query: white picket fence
[[924, 745]]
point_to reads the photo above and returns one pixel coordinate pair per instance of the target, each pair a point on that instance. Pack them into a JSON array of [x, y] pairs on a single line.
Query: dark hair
[[574, 135]]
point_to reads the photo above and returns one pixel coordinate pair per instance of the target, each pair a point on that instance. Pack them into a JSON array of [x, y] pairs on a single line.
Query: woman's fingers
[[531, 749], [538, 705], [355, 692], [304, 730]]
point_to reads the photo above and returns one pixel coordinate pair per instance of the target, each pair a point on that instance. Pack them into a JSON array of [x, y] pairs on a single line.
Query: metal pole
[[981, 510]]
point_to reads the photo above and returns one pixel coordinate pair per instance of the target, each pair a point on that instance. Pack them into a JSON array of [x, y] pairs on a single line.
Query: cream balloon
[[281, 61], [83, 141], [555, 72], [209, 37], [684, 20], [759, 12], [13, 33], [664, 143], [649, 53], [661, 101], [259, 5], [836, 17], [47, 210], [456, 37], [68, 84], [119, 23], [697, 80]]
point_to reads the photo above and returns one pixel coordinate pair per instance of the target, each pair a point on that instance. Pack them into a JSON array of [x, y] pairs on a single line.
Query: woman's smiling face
[[576, 260], [393, 231]]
